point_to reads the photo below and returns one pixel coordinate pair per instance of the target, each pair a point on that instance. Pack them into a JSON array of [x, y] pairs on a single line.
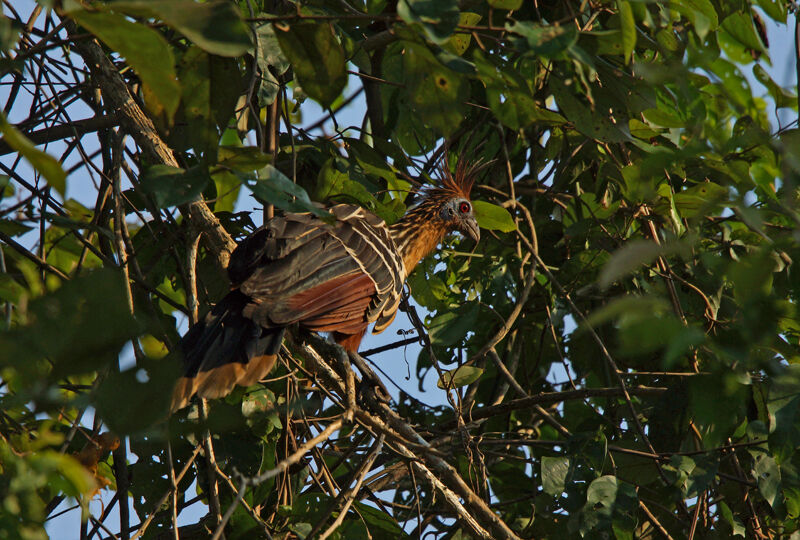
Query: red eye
[[463, 207]]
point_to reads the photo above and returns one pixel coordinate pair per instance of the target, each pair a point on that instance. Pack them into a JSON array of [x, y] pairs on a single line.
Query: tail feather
[[224, 350]]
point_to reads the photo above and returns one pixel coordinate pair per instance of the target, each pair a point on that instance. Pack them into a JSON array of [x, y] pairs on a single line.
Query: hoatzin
[[328, 277]]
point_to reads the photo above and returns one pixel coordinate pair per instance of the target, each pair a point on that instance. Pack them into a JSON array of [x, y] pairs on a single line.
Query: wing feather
[[332, 277]]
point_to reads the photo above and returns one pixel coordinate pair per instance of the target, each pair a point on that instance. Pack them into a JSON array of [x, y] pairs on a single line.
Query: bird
[[335, 277]]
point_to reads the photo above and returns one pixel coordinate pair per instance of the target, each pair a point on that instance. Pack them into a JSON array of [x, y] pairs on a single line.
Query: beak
[[472, 229]]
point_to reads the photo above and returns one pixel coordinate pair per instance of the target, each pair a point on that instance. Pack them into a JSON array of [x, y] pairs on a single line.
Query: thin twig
[[349, 495], [164, 497]]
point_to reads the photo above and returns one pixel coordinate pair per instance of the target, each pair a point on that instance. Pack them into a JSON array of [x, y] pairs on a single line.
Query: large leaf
[[547, 41], [317, 58], [781, 96], [509, 96], [79, 328], [493, 217], [172, 186], [276, 188], [195, 126], [740, 27], [214, 26], [144, 48], [269, 57], [133, 400], [451, 327], [634, 254], [628, 27], [335, 184], [435, 92], [438, 17], [554, 474]]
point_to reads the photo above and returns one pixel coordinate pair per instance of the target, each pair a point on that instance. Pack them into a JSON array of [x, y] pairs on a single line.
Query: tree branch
[[119, 101]]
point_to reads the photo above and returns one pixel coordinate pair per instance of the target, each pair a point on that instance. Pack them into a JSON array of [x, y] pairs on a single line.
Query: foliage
[[616, 358]]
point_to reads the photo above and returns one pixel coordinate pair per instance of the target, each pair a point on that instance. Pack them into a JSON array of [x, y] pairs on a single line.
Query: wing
[[297, 269], [329, 277]]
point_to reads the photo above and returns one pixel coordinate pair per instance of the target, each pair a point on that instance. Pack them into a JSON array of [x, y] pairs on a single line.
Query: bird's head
[[452, 196], [458, 214]]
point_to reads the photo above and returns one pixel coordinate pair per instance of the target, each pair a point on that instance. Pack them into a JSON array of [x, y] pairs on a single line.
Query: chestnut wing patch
[[338, 304]]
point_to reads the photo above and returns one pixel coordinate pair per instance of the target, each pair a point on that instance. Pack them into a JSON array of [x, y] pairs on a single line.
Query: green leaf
[[242, 158], [664, 118], [510, 98], [740, 27], [701, 13], [317, 58], [172, 186], [226, 87], [215, 26], [379, 521], [79, 327], [640, 130], [43, 162], [493, 217], [9, 34], [269, 57], [450, 327], [633, 255], [601, 494], [629, 306], [228, 186], [554, 474], [276, 188], [546, 41], [628, 26], [460, 376], [781, 96], [195, 126], [609, 505], [587, 120], [737, 527], [700, 198], [438, 17], [776, 9], [435, 92], [134, 400], [145, 49], [459, 43], [768, 475], [335, 184], [505, 4]]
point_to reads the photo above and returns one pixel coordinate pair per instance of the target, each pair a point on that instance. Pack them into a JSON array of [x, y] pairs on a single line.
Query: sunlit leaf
[[493, 217], [215, 26], [628, 26], [43, 162], [740, 26], [144, 48], [460, 376], [316, 57]]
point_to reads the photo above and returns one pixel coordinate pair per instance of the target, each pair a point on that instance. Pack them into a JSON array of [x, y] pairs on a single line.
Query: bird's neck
[[417, 233]]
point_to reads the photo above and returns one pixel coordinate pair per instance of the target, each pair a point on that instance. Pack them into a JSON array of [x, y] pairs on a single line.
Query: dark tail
[[223, 350]]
